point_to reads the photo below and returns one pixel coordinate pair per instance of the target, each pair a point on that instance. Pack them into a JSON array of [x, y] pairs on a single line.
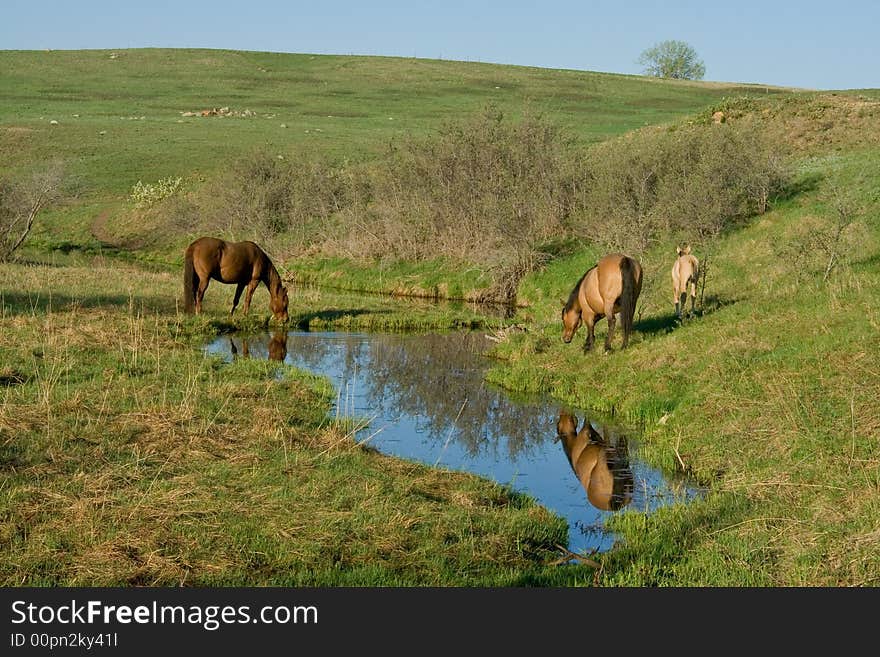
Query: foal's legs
[[238, 290], [676, 298], [693, 295]]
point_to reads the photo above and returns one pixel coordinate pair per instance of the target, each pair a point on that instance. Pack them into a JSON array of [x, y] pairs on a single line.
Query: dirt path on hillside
[[100, 232]]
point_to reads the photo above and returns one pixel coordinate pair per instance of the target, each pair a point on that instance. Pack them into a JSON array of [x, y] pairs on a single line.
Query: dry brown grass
[[129, 458]]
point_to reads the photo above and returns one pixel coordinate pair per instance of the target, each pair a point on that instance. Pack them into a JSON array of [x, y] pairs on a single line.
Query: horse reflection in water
[[277, 347], [603, 469]]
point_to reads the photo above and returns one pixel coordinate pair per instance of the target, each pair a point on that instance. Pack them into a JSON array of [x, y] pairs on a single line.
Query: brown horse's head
[[571, 321], [278, 345], [278, 304]]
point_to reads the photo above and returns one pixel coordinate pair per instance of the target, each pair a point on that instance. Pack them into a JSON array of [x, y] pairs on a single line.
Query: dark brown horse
[[242, 263], [603, 469], [612, 286]]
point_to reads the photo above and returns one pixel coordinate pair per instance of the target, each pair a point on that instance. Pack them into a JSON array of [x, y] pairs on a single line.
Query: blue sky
[[820, 45]]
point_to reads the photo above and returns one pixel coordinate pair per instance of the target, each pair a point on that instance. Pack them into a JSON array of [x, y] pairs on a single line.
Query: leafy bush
[[148, 194], [497, 194]]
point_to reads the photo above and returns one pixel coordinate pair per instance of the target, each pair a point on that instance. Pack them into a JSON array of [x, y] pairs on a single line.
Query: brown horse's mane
[[273, 278], [572, 298]]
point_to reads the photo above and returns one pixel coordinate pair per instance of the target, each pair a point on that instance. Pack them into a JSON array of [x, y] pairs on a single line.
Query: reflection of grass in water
[[346, 420]]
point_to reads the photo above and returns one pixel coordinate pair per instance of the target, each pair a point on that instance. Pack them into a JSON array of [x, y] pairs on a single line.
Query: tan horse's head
[[278, 304], [683, 251], [571, 321]]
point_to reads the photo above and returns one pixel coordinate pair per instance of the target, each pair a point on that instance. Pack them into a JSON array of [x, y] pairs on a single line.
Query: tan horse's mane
[[573, 297]]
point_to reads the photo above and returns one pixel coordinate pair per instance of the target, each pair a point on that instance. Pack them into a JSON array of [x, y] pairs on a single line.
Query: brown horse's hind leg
[[200, 292], [238, 290], [612, 322]]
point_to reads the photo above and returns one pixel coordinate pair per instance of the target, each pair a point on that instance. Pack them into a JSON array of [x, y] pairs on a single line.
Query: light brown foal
[[685, 271]]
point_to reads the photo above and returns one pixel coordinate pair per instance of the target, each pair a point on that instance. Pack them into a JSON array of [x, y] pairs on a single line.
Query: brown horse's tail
[[627, 296], [190, 282]]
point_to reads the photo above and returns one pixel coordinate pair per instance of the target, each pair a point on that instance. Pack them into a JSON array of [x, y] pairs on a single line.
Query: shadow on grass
[[663, 324], [808, 182], [27, 303], [331, 315]]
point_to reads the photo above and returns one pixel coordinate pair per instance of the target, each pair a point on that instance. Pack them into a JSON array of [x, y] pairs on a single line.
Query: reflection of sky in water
[[426, 400]]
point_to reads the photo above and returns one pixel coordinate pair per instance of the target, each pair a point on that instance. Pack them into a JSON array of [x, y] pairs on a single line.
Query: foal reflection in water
[[602, 469], [277, 347]]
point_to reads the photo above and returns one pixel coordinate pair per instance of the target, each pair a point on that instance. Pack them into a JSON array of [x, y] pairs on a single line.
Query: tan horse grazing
[[242, 263], [603, 470], [612, 286], [685, 271]]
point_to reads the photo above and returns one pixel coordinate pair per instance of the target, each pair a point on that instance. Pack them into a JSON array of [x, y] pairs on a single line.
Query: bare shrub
[[826, 242], [689, 184], [484, 191], [262, 195], [21, 202]]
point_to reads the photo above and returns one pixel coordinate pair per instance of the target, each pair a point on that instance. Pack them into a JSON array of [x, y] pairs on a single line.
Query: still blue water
[[425, 399]]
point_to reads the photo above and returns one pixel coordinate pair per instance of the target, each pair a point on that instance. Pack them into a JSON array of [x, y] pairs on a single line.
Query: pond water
[[426, 400]]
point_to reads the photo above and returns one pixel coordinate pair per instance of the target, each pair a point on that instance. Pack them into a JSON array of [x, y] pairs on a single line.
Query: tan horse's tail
[[190, 282], [627, 296]]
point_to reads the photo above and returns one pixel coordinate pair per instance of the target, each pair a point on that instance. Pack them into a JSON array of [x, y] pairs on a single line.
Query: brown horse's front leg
[[238, 290], [250, 293]]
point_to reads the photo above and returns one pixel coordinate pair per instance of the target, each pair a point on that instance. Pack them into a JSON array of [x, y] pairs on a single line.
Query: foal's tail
[[190, 282], [627, 296]]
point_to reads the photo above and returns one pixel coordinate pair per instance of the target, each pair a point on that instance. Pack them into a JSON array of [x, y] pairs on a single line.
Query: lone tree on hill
[[672, 59]]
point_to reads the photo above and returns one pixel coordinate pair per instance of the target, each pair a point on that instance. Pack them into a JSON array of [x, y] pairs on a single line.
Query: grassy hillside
[[348, 106], [120, 116]]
